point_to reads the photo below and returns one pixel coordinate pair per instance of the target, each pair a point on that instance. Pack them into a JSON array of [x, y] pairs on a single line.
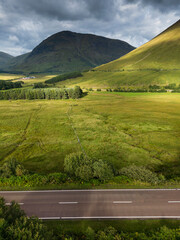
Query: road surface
[[98, 204]]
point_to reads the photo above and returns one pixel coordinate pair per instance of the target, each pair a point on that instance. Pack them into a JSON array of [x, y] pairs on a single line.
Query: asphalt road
[[98, 204]]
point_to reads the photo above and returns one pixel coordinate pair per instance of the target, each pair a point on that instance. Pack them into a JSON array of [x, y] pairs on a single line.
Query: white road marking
[[121, 202], [9, 204], [173, 201], [68, 202], [124, 217], [91, 190]]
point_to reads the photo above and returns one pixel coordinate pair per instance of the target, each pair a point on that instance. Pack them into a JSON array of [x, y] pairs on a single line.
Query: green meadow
[[121, 128]]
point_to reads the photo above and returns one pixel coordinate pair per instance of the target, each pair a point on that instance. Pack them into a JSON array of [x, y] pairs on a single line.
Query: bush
[[12, 168], [77, 165], [102, 170], [40, 85], [140, 174], [98, 90]]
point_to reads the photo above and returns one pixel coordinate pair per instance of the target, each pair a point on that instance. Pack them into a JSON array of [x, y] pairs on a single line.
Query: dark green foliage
[[8, 85], [102, 170], [12, 168], [140, 174], [64, 77], [150, 88], [50, 93], [40, 85], [77, 165], [109, 90], [16, 226], [34, 180], [98, 90], [114, 233]]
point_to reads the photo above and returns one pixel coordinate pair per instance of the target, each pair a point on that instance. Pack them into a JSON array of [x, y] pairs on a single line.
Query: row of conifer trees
[[49, 93]]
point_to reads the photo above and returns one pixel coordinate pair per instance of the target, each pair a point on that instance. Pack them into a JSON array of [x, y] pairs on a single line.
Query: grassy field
[[122, 128]]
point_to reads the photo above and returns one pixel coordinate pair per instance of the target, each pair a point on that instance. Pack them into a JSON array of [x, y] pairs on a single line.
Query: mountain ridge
[[68, 51]]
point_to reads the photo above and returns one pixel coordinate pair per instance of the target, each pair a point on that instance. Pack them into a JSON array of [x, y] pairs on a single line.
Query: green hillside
[[156, 62], [15, 61], [68, 51], [4, 58]]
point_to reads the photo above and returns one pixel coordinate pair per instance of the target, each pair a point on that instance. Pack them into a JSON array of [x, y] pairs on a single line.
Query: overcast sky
[[25, 23]]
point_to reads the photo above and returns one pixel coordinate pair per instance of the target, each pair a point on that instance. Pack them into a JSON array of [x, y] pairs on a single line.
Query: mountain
[[156, 62], [69, 51], [162, 52], [4, 58], [12, 64]]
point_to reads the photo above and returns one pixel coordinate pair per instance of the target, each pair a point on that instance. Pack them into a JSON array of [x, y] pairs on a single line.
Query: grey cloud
[[62, 9], [162, 5], [25, 23]]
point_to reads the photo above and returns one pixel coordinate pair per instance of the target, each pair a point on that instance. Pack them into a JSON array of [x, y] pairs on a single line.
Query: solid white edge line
[[122, 202], [122, 217], [110, 217], [173, 201], [91, 190], [67, 203]]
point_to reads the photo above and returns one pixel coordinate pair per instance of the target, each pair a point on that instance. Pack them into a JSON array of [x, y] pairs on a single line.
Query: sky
[[25, 23]]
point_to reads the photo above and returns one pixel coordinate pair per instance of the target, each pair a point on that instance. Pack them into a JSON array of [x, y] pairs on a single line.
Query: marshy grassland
[[121, 128]]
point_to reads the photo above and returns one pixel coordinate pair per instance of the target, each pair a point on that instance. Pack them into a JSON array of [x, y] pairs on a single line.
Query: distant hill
[[13, 65], [4, 58], [156, 62], [69, 51]]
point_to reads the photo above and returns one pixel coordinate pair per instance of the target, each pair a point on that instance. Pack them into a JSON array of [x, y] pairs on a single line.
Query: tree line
[[4, 85], [50, 93]]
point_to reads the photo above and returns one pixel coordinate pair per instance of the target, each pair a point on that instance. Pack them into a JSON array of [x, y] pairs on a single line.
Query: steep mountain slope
[[4, 58], [68, 51], [156, 62], [162, 52]]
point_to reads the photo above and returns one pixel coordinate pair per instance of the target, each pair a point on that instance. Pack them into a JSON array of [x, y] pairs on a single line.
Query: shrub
[[102, 170], [98, 90], [140, 174], [77, 165], [12, 168], [40, 85]]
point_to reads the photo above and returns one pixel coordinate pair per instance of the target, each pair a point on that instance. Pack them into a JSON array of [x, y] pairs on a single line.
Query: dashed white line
[[173, 201], [122, 202], [9, 204], [68, 202]]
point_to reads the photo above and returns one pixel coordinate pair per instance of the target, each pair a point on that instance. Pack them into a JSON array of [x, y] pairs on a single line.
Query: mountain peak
[[68, 51]]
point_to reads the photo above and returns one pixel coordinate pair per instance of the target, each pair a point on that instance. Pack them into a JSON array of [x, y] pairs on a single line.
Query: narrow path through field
[[23, 137], [74, 130]]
